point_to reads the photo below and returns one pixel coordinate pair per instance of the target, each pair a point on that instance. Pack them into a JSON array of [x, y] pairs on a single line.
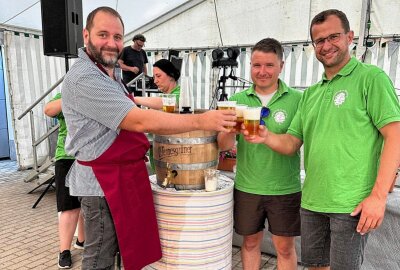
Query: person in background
[[349, 123], [68, 206], [166, 77], [133, 61], [267, 184], [106, 136]]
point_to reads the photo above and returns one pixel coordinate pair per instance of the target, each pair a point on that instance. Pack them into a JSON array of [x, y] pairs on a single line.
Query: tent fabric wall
[[301, 68], [225, 23], [29, 75]]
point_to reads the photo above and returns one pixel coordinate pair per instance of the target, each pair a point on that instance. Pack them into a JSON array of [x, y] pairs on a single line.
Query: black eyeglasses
[[333, 38], [139, 45], [264, 113]]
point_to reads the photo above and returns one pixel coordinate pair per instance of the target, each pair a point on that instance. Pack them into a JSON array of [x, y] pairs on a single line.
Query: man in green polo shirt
[[349, 123], [267, 184]]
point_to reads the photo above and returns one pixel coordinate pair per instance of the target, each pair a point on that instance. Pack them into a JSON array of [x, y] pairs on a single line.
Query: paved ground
[[28, 236]]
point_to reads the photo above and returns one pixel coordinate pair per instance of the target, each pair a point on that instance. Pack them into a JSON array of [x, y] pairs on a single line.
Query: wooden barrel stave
[[189, 154]]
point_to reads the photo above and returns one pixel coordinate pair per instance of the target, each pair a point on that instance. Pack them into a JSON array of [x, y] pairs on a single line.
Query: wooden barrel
[[187, 154]]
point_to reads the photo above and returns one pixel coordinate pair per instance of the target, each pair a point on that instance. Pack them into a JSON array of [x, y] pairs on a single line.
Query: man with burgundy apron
[[105, 135]]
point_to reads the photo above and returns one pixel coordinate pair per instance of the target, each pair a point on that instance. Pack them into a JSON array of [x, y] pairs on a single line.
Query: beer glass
[[226, 105], [252, 119], [239, 116], [211, 179], [169, 102]]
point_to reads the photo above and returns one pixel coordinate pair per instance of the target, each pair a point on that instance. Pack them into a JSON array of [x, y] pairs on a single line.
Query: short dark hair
[[322, 16], [269, 45], [139, 37], [90, 17], [168, 68]]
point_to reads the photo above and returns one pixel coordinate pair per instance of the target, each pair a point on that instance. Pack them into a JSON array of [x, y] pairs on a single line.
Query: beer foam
[[252, 113], [226, 104], [240, 109]]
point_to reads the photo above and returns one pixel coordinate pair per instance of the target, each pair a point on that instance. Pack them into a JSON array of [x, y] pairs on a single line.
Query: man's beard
[[109, 61]]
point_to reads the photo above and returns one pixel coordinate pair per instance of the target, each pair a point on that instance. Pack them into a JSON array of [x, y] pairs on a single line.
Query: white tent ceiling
[[134, 12]]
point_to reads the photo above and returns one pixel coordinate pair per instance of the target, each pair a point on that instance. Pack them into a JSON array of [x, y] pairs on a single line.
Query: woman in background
[[166, 77]]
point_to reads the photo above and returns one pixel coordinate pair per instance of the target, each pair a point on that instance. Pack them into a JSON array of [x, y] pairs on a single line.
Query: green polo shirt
[[62, 134], [259, 170], [339, 120], [176, 91]]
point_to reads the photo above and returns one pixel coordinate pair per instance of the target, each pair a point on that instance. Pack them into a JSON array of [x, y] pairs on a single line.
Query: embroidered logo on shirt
[[280, 116], [340, 97]]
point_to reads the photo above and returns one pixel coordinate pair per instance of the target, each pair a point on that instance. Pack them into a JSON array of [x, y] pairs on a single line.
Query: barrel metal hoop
[[186, 167], [173, 140], [188, 187]]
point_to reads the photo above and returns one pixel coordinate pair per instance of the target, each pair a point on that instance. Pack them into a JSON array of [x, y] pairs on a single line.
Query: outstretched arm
[[282, 143], [158, 122], [149, 102]]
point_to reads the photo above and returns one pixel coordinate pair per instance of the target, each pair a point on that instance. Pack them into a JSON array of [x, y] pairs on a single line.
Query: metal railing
[[135, 81], [36, 142], [29, 110]]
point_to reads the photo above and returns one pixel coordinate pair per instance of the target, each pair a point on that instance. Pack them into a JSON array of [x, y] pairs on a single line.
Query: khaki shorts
[[281, 211]]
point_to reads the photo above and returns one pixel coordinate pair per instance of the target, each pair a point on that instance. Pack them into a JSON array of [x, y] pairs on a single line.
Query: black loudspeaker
[[62, 26]]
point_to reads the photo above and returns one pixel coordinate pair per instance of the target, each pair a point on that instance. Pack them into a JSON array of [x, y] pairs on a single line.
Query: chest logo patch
[[340, 98], [280, 116]]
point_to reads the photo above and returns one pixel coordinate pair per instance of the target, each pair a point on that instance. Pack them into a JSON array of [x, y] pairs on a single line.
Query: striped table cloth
[[195, 226]]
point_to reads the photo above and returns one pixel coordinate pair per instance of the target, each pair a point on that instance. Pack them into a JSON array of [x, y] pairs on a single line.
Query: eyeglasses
[[139, 45], [333, 38], [264, 113]]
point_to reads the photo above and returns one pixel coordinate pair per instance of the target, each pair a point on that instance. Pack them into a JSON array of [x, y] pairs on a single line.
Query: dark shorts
[[281, 211], [331, 240], [65, 202]]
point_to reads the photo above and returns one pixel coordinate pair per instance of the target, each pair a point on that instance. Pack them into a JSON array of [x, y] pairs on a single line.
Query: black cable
[[216, 91], [364, 55], [244, 80], [233, 77], [219, 28], [20, 12]]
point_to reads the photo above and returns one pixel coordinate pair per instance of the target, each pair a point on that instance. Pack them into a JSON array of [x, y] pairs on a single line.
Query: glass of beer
[[251, 117], [169, 102], [226, 105], [239, 114], [211, 179]]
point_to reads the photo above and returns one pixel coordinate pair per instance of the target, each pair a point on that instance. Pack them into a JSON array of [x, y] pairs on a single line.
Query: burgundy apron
[[122, 174]]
